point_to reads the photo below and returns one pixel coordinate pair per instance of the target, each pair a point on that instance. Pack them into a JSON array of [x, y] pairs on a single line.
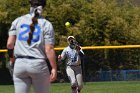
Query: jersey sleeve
[[63, 54], [49, 33], [12, 30]]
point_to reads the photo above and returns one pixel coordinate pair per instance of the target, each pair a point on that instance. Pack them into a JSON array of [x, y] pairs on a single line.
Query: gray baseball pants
[[29, 72], [75, 76]]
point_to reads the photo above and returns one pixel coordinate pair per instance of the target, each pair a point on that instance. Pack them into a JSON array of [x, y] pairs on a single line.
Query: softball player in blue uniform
[[72, 55], [32, 38]]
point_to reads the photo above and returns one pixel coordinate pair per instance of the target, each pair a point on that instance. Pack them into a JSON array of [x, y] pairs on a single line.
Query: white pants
[[29, 72], [75, 76]]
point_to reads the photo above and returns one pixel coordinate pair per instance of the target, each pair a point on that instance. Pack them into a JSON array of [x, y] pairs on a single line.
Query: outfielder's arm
[[59, 58], [80, 51], [10, 46], [11, 40], [62, 56], [49, 49]]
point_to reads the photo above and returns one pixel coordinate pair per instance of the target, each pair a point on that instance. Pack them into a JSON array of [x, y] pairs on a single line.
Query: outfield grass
[[90, 87]]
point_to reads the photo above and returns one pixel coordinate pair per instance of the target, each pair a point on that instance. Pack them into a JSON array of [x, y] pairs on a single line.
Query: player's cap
[[70, 37], [35, 3]]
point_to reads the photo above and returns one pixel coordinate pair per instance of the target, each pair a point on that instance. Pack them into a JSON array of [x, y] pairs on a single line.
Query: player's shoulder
[[20, 17], [45, 21], [24, 16], [66, 48]]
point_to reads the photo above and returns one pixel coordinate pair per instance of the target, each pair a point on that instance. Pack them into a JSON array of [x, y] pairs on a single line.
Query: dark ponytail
[[32, 27]]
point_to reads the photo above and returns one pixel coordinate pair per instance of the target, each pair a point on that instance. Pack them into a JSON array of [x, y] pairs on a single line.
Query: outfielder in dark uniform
[[32, 38], [72, 55]]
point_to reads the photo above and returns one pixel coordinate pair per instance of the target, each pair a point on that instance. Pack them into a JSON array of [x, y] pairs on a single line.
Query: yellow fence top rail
[[105, 47], [94, 47]]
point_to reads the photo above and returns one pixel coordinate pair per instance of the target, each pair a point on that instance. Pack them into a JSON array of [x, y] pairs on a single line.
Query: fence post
[[124, 75]]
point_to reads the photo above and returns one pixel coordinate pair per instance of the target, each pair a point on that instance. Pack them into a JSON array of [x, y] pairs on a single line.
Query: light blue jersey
[[71, 56], [43, 34]]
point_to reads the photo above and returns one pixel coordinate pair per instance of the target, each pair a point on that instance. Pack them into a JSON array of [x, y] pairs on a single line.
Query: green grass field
[[90, 87]]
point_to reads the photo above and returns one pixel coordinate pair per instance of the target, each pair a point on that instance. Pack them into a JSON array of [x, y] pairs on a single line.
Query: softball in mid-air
[[67, 24]]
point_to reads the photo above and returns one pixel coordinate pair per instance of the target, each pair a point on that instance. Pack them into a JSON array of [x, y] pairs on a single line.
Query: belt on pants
[[28, 57]]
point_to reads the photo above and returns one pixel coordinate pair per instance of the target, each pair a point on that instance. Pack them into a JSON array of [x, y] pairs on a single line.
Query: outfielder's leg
[[79, 82], [41, 84], [79, 78], [22, 82], [71, 76], [22, 85], [39, 72]]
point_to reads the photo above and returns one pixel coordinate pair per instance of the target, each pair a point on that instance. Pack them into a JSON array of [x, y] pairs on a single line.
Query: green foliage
[[11, 9], [94, 22]]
